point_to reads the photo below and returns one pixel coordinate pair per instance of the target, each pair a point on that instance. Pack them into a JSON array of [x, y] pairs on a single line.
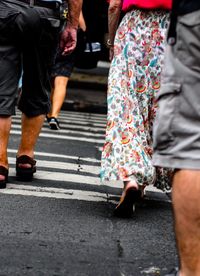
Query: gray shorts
[[177, 126]]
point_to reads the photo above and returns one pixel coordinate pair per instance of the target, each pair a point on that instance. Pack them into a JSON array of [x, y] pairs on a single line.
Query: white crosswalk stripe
[[55, 168]]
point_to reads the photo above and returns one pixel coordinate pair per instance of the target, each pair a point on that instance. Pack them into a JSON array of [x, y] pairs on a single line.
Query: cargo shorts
[[177, 126], [28, 36]]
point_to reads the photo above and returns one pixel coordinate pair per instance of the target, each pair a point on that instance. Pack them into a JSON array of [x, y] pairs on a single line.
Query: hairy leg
[[31, 127], [5, 125], [58, 95], [186, 204]]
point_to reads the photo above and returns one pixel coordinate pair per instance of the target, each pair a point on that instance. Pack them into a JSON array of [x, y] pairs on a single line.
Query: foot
[[53, 123], [25, 167], [131, 194], [3, 177]]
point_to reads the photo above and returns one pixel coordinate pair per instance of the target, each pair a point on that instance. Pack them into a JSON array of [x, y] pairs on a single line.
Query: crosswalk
[[68, 161]]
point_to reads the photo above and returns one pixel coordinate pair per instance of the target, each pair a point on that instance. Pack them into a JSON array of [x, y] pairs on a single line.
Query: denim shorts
[[177, 126], [28, 36]]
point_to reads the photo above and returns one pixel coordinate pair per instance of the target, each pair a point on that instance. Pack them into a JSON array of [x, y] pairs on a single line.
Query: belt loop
[[32, 3]]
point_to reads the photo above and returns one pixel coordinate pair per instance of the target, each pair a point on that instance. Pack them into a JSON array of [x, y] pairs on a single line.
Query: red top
[[147, 4]]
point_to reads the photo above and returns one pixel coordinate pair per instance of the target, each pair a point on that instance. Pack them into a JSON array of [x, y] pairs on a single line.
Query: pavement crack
[[120, 249]]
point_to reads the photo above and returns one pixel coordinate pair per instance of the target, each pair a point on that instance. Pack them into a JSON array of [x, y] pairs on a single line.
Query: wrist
[[69, 24]]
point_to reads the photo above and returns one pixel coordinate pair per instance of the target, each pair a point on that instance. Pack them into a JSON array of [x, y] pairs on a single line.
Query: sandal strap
[[25, 159], [3, 171]]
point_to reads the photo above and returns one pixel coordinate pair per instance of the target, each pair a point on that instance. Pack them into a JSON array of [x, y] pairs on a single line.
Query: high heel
[[126, 206], [4, 172]]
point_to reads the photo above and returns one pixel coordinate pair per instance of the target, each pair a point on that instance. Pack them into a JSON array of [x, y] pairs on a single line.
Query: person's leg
[[34, 99], [31, 127], [9, 77], [5, 124], [185, 197], [58, 95], [132, 193]]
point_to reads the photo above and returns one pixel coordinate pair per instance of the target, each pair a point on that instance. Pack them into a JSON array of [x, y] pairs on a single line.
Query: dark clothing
[[63, 65], [27, 39], [181, 7]]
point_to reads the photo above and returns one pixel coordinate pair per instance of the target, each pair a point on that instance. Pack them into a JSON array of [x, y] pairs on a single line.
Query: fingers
[[68, 48]]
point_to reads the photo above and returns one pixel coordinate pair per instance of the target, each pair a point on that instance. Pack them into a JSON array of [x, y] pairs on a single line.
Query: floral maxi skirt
[[133, 83]]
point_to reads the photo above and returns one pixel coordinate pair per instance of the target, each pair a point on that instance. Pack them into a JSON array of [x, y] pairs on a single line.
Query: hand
[[68, 39]]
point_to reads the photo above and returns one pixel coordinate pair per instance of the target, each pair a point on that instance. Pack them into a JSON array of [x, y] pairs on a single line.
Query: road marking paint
[[70, 126], [64, 166], [87, 128], [75, 113], [87, 119], [81, 159], [58, 193], [84, 123], [81, 179], [49, 192], [75, 118], [70, 132], [64, 137], [63, 177]]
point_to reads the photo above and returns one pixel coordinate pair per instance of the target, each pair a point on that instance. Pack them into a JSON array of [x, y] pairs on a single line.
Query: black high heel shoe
[[25, 174], [4, 172], [126, 206]]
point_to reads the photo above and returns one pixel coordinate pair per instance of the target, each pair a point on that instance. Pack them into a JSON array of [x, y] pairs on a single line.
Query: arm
[[69, 35], [114, 11], [82, 24], [75, 7]]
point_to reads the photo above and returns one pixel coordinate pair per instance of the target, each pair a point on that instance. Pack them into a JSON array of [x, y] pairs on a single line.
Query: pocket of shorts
[[168, 106], [190, 19], [188, 33], [7, 18]]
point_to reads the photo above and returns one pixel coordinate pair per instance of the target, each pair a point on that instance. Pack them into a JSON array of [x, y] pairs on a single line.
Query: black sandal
[[126, 206], [25, 174], [4, 172]]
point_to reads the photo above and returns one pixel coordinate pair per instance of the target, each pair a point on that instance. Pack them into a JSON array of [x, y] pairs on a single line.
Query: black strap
[[171, 38]]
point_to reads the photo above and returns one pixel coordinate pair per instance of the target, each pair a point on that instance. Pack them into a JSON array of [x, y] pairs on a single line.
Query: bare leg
[[31, 127], [58, 95], [5, 124], [186, 203]]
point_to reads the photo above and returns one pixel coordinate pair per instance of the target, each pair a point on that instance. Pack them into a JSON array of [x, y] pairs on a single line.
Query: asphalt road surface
[[62, 223]]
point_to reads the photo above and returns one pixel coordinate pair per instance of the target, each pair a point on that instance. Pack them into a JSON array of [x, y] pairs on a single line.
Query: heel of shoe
[[126, 207], [25, 174], [4, 172]]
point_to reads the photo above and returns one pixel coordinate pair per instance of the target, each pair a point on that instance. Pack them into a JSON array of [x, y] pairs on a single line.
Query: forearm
[[75, 7], [82, 24], [114, 11]]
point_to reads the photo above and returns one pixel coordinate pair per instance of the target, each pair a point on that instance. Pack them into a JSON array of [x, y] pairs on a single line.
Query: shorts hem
[[175, 163], [61, 75], [5, 112], [35, 112]]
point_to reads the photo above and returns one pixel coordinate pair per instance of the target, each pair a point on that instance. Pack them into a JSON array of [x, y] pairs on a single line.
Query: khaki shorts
[[177, 126]]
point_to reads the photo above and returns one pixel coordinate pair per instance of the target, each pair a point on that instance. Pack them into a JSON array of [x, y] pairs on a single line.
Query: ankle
[[130, 183], [29, 153], [4, 163]]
